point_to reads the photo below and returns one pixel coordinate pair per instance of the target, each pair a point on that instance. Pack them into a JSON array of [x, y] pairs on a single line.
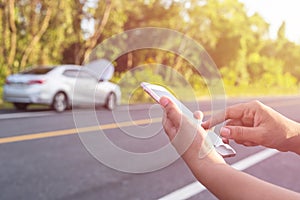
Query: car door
[[84, 85], [85, 88], [102, 91]]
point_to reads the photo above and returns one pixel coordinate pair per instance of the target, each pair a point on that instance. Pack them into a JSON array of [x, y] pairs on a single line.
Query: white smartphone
[[157, 91]]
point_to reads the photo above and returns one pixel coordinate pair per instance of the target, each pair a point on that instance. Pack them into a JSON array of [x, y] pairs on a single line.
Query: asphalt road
[[42, 156]]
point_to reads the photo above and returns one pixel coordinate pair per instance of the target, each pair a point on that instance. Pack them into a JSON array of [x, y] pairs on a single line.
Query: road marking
[[24, 115], [196, 187], [78, 130], [57, 133], [95, 128], [254, 159]]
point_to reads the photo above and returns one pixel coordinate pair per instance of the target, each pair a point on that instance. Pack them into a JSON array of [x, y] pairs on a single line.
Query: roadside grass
[[139, 96], [3, 105], [184, 94], [9, 106], [248, 91]]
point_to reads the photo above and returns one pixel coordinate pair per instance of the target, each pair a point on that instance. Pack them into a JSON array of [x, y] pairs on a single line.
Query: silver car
[[62, 87]]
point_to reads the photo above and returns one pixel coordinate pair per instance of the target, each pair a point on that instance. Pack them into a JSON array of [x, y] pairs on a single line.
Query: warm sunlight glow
[[275, 12]]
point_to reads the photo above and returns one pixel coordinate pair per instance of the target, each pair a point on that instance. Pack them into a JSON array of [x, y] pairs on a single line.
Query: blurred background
[[254, 43], [249, 44]]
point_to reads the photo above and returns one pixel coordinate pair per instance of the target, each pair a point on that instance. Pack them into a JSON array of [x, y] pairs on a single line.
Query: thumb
[[198, 115], [240, 133], [171, 110]]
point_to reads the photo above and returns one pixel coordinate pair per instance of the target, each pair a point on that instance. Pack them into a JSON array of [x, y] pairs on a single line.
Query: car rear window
[[38, 71]]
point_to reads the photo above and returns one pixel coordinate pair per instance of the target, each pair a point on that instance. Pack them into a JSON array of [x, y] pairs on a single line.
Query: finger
[[168, 126], [164, 101], [198, 115], [234, 122], [217, 118], [225, 140], [170, 129], [171, 110], [241, 134], [164, 120], [249, 144], [232, 112]]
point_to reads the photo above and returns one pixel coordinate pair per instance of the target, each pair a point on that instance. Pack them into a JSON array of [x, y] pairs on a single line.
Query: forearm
[[227, 183], [293, 140]]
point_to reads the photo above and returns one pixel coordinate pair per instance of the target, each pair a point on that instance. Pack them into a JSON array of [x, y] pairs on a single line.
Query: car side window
[[71, 73], [78, 74], [83, 74]]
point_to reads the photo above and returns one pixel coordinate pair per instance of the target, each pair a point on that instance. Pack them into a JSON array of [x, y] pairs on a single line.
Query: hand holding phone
[[156, 92]]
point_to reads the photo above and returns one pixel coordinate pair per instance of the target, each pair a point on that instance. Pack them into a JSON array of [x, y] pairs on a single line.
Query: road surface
[[42, 157]]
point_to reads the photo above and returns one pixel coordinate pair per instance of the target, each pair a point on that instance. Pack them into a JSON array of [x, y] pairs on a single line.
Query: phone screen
[[156, 92]]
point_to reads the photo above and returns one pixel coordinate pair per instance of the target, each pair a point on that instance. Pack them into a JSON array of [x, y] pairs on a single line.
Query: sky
[[275, 12]]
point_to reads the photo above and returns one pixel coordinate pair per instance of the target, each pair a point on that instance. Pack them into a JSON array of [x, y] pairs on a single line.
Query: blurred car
[[63, 86]]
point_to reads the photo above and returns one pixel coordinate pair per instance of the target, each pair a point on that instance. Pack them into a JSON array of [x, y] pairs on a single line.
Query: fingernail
[[225, 132], [164, 102], [204, 123]]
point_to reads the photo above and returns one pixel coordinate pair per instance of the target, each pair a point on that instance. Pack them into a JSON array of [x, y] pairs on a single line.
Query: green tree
[[40, 32]]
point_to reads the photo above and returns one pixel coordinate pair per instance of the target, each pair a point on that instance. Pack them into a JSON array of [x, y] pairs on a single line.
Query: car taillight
[[32, 82]]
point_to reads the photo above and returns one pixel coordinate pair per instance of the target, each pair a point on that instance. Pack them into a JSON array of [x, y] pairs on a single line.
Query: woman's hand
[[254, 123], [188, 137]]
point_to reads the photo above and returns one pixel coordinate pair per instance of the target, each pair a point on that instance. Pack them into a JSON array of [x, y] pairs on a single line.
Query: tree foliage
[[40, 32]]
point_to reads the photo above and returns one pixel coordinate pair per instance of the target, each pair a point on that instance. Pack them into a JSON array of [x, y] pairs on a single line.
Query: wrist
[[292, 142], [205, 167], [200, 166], [212, 158]]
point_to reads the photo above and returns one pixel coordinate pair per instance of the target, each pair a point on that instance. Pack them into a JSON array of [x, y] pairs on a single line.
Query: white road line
[[24, 115], [196, 187], [254, 159]]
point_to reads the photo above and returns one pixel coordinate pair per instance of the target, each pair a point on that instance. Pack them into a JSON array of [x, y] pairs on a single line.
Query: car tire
[[111, 101], [21, 106], [60, 102]]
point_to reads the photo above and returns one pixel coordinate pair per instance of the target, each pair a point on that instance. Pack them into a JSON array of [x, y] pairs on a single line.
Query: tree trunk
[[129, 60], [78, 46], [36, 38], [13, 34], [92, 42], [34, 18], [2, 38]]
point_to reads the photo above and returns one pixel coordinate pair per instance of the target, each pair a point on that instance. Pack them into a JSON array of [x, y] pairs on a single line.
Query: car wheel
[[21, 106], [60, 102], [111, 101]]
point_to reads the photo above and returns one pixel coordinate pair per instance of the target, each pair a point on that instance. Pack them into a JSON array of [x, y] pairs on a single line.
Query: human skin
[[254, 123], [212, 171]]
